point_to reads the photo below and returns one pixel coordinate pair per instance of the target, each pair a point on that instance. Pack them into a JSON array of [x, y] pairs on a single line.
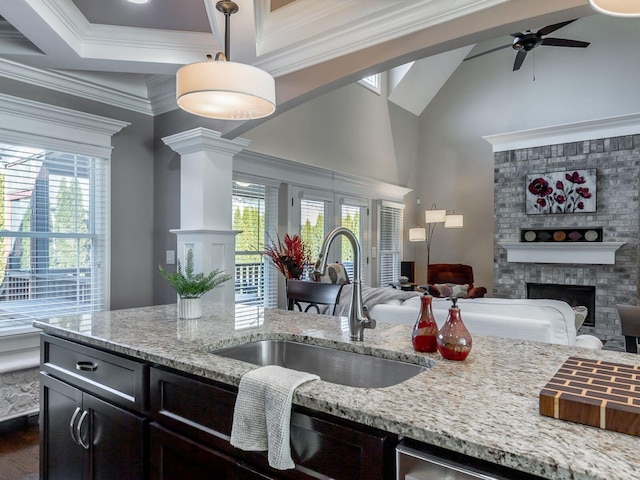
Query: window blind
[[255, 210], [53, 226], [350, 218], [312, 224], [389, 243]]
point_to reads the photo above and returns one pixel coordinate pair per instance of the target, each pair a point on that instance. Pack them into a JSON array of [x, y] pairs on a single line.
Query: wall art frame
[[571, 191]]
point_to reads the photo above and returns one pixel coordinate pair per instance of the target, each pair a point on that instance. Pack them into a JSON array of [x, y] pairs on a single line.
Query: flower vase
[[454, 340], [189, 308], [425, 330]]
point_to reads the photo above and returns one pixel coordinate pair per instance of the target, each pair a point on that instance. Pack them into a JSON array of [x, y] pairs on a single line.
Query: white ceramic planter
[[189, 308]]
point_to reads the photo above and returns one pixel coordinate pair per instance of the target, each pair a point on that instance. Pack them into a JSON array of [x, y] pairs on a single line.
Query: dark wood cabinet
[[104, 416], [174, 457], [200, 413], [84, 436]]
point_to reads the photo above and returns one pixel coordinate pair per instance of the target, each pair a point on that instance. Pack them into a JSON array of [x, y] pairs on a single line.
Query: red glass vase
[[454, 340], [425, 330]]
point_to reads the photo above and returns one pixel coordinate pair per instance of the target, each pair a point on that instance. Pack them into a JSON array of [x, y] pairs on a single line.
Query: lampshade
[[225, 90], [454, 221], [417, 234], [435, 216], [619, 8]]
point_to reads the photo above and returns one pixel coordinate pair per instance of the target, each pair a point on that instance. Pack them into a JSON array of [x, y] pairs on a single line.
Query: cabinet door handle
[[86, 366], [79, 430], [71, 425]]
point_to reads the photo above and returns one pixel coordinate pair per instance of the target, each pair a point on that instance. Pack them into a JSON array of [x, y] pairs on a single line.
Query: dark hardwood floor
[[19, 449]]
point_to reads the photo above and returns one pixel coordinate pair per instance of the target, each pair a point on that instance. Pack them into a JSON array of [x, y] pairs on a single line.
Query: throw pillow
[[446, 290], [336, 273], [460, 291]]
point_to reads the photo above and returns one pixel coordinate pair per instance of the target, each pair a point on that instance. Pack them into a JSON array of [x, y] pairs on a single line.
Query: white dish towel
[[262, 414]]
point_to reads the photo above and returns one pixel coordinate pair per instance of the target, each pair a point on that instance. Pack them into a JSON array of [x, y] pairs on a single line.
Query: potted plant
[[290, 256], [191, 287]]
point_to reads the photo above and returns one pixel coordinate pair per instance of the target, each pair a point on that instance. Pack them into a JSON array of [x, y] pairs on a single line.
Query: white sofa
[[550, 321]]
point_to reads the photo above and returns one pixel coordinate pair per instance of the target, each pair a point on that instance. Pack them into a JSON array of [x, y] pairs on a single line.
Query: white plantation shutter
[[389, 242], [53, 234], [313, 221], [255, 212]]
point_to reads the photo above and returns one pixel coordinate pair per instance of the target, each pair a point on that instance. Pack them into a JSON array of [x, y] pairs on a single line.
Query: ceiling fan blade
[[488, 51], [562, 42], [520, 56], [552, 28]]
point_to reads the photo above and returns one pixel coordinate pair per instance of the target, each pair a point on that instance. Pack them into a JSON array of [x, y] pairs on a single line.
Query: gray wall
[[485, 97], [131, 193], [351, 130]]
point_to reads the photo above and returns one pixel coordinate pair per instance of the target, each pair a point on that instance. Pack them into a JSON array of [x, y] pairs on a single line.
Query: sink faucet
[[358, 315]]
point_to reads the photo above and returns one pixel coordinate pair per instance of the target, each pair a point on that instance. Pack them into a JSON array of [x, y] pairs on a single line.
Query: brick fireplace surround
[[617, 160]]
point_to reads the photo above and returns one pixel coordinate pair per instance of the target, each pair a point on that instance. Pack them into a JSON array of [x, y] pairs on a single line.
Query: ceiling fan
[[524, 42]]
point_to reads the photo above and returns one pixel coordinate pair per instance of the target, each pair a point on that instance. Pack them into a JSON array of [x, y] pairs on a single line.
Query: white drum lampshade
[[434, 216], [225, 90], [454, 221], [417, 234], [619, 8]]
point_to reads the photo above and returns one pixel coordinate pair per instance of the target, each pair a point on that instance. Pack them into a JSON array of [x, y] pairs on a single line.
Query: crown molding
[[49, 126], [258, 165], [66, 83], [113, 43], [321, 37], [565, 133]]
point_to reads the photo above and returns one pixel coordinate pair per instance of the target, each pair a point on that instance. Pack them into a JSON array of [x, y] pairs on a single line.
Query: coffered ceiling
[[309, 46]]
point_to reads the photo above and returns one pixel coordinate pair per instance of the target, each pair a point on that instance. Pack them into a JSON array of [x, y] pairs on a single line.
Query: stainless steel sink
[[331, 365]]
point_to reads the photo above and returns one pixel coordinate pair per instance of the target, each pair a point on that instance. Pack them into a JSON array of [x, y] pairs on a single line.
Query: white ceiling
[[104, 49]]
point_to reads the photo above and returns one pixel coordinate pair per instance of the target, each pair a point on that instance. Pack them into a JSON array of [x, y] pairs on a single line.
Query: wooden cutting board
[[594, 392]]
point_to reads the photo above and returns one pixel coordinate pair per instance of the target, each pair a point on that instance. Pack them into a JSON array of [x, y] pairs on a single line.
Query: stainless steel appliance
[[416, 463]]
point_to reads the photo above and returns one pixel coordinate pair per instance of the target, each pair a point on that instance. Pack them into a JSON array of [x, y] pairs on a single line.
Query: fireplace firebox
[[574, 295]]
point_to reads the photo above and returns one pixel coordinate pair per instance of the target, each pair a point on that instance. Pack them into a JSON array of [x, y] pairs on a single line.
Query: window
[[313, 214], [389, 242], [320, 212], [255, 215], [372, 82], [52, 234]]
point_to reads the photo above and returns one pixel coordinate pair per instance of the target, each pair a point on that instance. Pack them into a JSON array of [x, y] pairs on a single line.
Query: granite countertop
[[486, 406]]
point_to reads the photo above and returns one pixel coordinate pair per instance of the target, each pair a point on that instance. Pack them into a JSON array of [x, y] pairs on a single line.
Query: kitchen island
[[485, 407]]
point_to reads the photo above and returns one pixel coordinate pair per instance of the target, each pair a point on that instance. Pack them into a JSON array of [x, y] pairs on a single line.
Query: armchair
[[448, 279]]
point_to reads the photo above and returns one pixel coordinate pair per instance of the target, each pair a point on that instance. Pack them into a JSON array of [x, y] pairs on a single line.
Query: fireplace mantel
[[595, 253]]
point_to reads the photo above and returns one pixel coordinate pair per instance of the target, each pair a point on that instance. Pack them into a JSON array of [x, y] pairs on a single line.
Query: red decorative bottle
[[425, 330], [454, 340]]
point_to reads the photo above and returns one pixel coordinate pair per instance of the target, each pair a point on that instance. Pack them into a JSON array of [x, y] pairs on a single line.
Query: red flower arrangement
[[289, 256]]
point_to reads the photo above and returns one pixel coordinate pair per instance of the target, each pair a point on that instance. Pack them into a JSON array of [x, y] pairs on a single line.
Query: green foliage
[[190, 285], [70, 217], [313, 236]]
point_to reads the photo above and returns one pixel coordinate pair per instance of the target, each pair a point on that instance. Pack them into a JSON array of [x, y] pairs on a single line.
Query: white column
[[206, 185]]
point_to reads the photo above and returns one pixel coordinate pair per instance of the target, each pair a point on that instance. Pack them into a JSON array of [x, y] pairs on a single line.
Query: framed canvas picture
[[573, 191]]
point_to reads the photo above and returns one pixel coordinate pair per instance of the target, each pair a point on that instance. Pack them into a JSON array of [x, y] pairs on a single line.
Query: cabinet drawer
[[322, 446], [116, 379]]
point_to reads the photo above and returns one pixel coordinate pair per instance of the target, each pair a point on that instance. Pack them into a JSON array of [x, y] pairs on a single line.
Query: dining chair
[[323, 297], [630, 321]]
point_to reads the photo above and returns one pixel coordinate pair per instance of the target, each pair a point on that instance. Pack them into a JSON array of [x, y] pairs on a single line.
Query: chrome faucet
[[358, 315]]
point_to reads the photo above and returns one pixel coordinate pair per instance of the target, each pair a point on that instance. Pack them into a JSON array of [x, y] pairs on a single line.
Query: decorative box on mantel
[[596, 253]]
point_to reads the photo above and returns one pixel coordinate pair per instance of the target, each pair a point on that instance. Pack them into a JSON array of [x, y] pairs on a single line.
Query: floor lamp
[[420, 234]]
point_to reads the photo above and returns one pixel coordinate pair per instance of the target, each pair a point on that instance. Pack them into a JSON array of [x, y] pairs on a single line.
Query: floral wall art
[[573, 191]]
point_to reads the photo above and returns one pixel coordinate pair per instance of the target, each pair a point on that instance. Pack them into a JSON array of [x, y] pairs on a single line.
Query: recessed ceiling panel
[[181, 15]]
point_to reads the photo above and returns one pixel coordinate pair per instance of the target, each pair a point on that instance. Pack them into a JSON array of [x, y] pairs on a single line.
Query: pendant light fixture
[[618, 8], [225, 90]]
